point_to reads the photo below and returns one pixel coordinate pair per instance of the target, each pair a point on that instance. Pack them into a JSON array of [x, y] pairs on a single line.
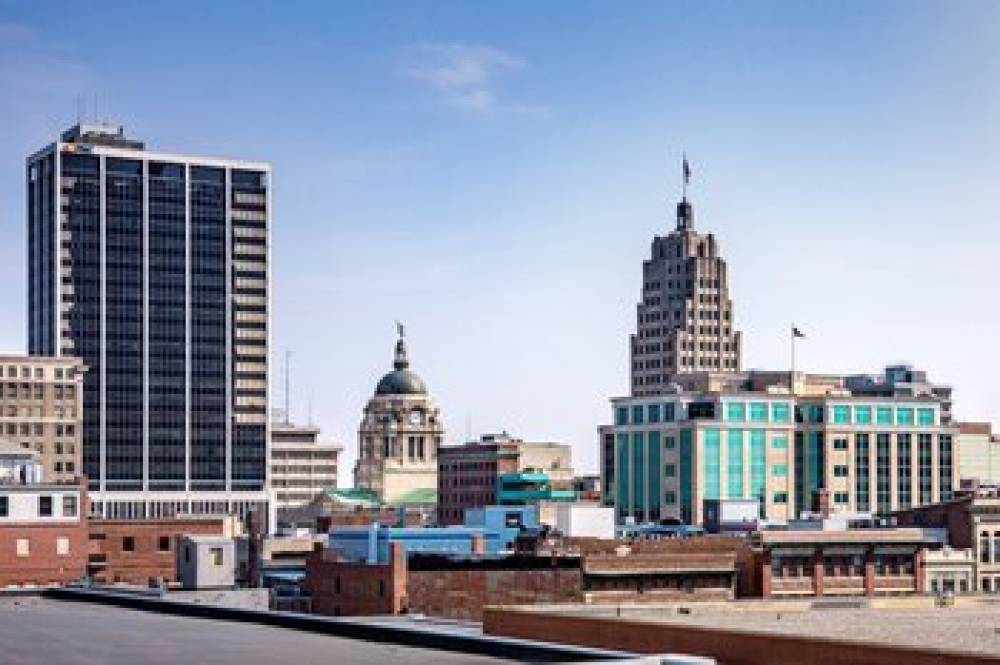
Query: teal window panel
[[686, 452], [779, 442], [758, 467], [712, 463], [815, 413], [653, 414], [639, 471], [883, 415], [780, 497], [863, 415], [925, 417], [779, 470], [669, 412], [841, 414], [670, 470], [780, 412], [621, 416], [623, 474], [653, 442], [670, 497], [758, 412], [904, 415], [669, 443], [637, 414], [734, 464], [736, 411]]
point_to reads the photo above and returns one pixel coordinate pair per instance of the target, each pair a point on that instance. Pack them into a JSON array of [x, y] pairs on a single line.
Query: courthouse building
[[749, 436]]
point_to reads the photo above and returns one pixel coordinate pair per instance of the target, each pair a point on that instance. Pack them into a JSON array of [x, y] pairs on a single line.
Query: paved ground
[[38, 631]]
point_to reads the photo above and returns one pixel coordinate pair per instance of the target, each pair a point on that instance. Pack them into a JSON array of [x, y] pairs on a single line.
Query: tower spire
[[685, 213]]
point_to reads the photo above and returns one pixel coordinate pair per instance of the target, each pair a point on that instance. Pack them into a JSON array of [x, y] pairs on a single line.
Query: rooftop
[[40, 630]]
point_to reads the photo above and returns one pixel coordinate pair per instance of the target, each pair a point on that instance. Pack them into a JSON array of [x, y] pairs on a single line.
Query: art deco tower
[[685, 318]]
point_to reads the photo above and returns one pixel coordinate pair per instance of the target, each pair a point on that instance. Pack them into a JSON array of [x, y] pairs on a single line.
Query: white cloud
[[466, 74]]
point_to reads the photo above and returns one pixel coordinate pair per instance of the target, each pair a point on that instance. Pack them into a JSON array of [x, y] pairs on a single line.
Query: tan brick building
[[41, 402]]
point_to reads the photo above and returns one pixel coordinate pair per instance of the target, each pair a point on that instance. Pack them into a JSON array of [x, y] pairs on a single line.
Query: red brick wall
[[727, 646], [340, 588], [462, 594], [43, 565], [147, 561], [953, 516]]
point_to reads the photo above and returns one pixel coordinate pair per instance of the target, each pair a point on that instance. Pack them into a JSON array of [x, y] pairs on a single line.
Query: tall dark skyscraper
[[684, 322], [153, 269]]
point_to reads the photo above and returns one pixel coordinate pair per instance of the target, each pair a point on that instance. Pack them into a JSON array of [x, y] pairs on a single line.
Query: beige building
[[302, 466], [980, 453], [684, 322], [399, 437], [41, 401]]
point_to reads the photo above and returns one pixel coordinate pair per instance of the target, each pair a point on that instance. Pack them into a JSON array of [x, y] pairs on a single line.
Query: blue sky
[[492, 174]]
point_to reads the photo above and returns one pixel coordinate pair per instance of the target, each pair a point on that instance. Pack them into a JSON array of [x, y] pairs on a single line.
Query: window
[[621, 416], [779, 442], [164, 543], [779, 412], [45, 506], [758, 412], [780, 497], [779, 470], [668, 412], [670, 497], [4, 506], [841, 497], [841, 414], [654, 413], [904, 416], [925, 417], [670, 470], [883, 415], [215, 556], [736, 411], [62, 546], [23, 547], [863, 415], [637, 414], [69, 505], [669, 443], [840, 444], [984, 547], [840, 471], [128, 544]]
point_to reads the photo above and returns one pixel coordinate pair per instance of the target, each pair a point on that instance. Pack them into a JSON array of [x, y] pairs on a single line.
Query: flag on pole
[[797, 333]]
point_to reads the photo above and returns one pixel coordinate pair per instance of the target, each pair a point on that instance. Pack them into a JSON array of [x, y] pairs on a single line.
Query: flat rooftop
[[971, 626], [41, 630]]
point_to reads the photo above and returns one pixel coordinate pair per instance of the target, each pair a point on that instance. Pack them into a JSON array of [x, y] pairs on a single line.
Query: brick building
[[972, 522], [855, 562], [137, 552], [43, 534], [469, 475], [459, 587]]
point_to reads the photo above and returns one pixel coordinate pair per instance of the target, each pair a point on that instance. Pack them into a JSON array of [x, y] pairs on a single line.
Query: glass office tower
[[153, 268]]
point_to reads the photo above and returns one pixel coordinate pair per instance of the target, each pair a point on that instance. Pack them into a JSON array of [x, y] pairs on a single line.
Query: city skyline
[[474, 174]]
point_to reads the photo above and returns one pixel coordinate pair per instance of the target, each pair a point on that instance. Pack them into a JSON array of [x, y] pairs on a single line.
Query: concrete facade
[[399, 437], [302, 466], [980, 454], [41, 409], [206, 562]]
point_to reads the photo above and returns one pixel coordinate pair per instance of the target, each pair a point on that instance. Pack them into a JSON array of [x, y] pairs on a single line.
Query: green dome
[[401, 381]]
